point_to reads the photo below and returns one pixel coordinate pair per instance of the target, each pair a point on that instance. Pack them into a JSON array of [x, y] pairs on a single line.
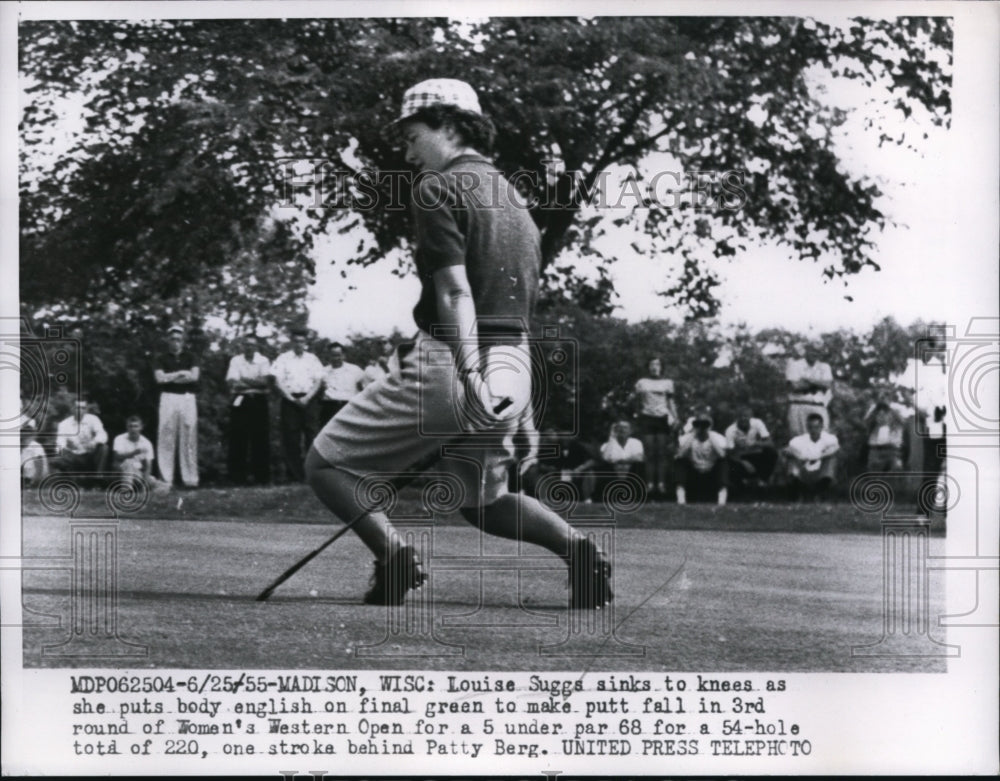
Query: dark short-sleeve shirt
[[471, 215], [168, 362]]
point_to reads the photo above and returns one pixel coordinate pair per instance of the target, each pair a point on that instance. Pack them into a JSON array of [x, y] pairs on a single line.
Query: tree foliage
[[176, 174]]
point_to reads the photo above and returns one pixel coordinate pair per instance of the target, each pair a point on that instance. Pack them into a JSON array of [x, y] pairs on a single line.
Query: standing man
[[298, 375], [810, 384], [341, 381], [248, 380], [177, 374], [931, 399], [464, 377], [887, 438]]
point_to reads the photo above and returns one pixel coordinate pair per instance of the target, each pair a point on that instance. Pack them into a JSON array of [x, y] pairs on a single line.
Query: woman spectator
[[657, 415]]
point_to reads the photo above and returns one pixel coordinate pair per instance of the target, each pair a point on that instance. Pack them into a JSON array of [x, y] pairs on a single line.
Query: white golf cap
[[438, 92]]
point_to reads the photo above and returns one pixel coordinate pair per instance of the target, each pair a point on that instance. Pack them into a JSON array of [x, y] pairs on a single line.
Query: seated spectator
[[573, 463], [34, 461], [701, 466], [812, 460], [887, 438], [81, 442], [622, 452], [131, 452], [752, 456]]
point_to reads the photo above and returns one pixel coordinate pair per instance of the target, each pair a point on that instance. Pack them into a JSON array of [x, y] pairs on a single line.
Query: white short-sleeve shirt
[[123, 445], [804, 448], [737, 438], [654, 397], [799, 369]]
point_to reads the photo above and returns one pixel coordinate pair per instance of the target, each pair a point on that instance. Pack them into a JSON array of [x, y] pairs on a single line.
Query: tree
[[186, 120]]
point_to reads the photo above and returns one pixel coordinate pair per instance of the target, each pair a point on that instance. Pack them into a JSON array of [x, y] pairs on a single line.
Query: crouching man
[[812, 460], [701, 466], [132, 454]]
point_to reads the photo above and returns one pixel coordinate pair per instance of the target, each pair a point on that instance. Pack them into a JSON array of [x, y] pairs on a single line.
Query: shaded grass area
[[685, 600], [298, 504]]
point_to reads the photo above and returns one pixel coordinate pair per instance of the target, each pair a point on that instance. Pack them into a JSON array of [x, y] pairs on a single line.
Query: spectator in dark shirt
[[177, 374], [573, 463]]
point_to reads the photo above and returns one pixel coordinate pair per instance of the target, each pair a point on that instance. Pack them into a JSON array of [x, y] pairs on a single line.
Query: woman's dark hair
[[476, 130]]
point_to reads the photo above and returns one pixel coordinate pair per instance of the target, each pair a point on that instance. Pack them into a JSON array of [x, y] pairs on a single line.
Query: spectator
[[34, 461], [887, 438], [378, 367], [132, 453], [812, 460], [688, 427], [177, 375], [341, 380], [622, 452], [752, 455], [249, 379], [702, 468], [931, 400], [573, 463], [657, 415], [81, 442], [810, 383], [298, 374]]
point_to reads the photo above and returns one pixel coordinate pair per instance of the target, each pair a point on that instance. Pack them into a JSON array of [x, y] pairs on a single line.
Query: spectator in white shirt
[[701, 465], [887, 438], [923, 385], [341, 380], [377, 368], [623, 452], [131, 452], [810, 384], [81, 442], [657, 417], [298, 375], [752, 455], [249, 380], [812, 460], [34, 461]]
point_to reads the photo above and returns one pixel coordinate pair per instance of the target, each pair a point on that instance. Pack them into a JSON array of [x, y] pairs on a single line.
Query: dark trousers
[[763, 461], [327, 409], [701, 485], [934, 455], [250, 439], [92, 462], [298, 429]]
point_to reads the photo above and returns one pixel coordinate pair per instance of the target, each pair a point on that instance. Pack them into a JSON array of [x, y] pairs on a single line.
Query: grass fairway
[[740, 588]]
